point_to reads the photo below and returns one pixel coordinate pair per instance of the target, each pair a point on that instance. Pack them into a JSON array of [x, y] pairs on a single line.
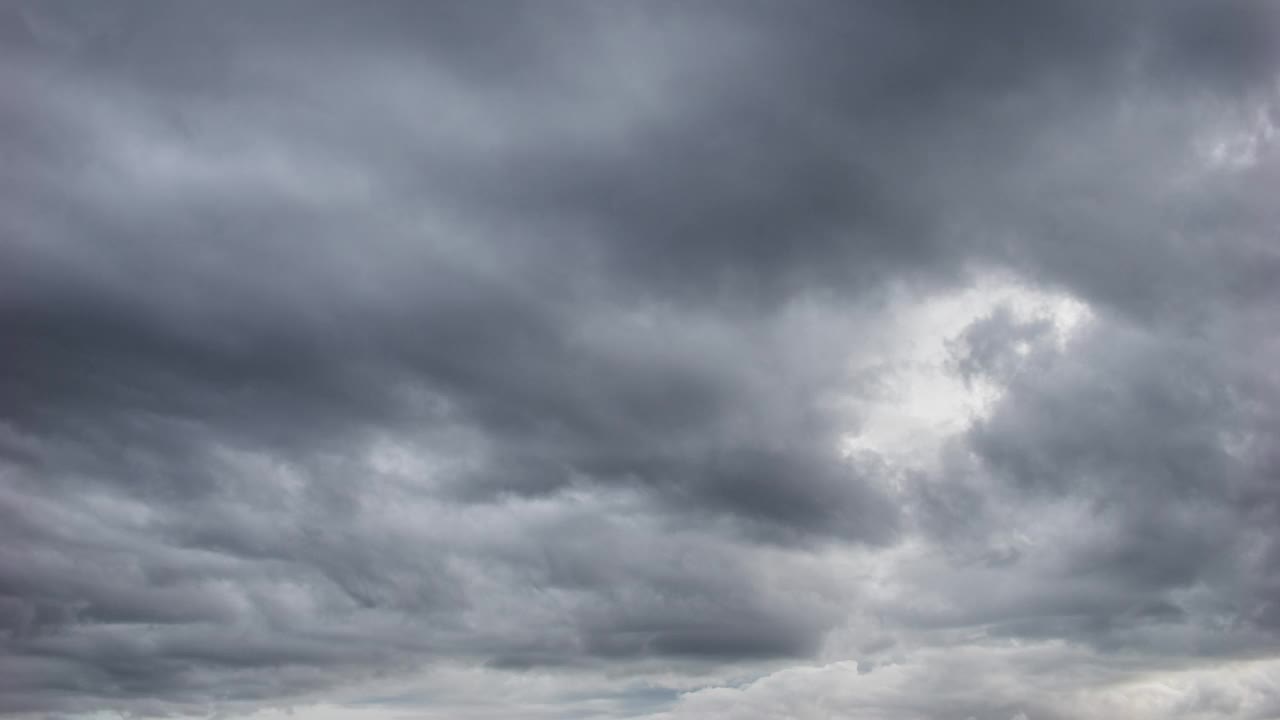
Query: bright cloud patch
[[972, 683], [920, 392]]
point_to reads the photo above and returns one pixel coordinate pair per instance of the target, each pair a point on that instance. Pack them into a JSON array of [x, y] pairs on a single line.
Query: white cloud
[[919, 400], [1047, 681]]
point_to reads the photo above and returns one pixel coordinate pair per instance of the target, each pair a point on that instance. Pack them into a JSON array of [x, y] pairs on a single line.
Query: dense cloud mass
[[489, 359]]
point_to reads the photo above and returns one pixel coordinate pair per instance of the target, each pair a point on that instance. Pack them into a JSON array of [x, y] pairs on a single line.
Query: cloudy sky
[[876, 360]]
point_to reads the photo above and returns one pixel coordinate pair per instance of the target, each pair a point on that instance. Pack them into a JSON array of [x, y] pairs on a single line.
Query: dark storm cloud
[[342, 338], [1121, 493], [1160, 436]]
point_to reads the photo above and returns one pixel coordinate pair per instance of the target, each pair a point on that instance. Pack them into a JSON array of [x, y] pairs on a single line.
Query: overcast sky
[[876, 360]]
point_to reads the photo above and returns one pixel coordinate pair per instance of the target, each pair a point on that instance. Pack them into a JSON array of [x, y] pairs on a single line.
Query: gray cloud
[[346, 342]]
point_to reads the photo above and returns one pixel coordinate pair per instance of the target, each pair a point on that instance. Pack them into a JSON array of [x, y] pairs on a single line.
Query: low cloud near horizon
[[655, 360]]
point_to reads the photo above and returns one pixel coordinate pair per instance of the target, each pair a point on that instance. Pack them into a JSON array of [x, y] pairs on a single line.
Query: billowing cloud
[[868, 360], [973, 682]]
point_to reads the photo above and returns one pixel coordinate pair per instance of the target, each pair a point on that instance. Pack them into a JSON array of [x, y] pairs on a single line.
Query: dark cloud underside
[[346, 339]]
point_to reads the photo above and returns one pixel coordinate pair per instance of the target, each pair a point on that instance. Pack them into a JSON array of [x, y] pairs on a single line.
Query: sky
[[738, 359]]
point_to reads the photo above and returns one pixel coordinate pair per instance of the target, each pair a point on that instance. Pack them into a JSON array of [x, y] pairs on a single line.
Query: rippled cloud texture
[[668, 360]]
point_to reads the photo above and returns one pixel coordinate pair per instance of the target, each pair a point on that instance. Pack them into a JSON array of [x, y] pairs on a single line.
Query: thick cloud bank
[[871, 360]]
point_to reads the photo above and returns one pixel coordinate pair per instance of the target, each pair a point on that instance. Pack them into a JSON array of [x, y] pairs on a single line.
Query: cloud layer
[[868, 360]]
